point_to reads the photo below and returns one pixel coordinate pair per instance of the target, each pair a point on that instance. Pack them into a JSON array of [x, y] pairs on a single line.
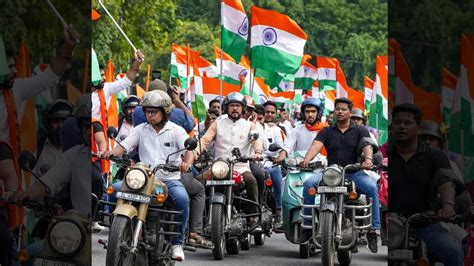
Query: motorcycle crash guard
[[126, 210], [218, 198], [328, 206]]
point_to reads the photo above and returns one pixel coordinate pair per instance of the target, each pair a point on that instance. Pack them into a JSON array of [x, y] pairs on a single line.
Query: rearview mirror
[[190, 144], [112, 132], [274, 147], [253, 135], [27, 161]]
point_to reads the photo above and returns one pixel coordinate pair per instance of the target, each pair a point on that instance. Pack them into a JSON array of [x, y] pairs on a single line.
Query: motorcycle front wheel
[[327, 238], [217, 231], [120, 234]]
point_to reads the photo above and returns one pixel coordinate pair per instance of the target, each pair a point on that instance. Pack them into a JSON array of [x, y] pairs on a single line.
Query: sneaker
[[177, 252], [96, 227], [278, 224], [305, 235], [372, 240]]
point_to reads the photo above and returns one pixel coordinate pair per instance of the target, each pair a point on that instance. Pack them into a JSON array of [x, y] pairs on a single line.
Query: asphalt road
[[276, 251]]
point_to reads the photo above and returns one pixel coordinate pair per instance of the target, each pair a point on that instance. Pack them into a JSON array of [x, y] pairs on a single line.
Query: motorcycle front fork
[[338, 212]]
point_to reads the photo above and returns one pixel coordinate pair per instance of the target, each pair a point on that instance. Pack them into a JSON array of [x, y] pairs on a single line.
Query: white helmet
[[157, 99]]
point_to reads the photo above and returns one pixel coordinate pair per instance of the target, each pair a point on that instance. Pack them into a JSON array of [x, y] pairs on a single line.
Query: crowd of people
[[156, 125]]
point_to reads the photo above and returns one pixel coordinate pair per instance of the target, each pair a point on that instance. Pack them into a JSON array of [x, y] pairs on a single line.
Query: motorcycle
[[406, 249], [226, 222], [292, 199], [144, 222], [64, 236], [341, 215]]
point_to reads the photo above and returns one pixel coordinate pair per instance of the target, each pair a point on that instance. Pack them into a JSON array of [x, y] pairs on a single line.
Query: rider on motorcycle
[[418, 174], [232, 131], [273, 134], [157, 139], [341, 141]]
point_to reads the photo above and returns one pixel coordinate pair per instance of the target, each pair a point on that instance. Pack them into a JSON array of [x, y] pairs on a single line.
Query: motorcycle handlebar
[[168, 168]]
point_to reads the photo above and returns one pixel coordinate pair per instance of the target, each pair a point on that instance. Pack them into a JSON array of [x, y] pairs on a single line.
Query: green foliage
[[429, 34], [352, 30]]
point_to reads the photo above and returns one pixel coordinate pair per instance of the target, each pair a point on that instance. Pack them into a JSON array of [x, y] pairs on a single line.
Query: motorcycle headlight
[[135, 179], [66, 237], [396, 232], [220, 169], [332, 176]]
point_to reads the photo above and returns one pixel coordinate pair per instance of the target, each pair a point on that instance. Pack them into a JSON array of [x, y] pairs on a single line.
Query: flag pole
[[148, 78], [55, 11], [118, 27], [220, 80]]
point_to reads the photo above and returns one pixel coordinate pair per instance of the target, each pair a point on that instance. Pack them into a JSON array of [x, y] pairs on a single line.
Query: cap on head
[[59, 109], [357, 112], [157, 84], [429, 127]]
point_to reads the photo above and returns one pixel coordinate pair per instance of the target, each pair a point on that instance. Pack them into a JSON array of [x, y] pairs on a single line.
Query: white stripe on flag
[[279, 39]]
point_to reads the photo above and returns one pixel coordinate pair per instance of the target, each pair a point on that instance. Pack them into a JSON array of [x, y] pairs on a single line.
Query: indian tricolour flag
[[260, 90], [326, 73], [234, 28], [286, 85], [329, 99], [379, 103], [178, 66], [403, 82], [341, 84], [205, 67], [282, 97], [231, 72], [277, 42], [368, 88], [462, 123], [306, 75], [448, 84]]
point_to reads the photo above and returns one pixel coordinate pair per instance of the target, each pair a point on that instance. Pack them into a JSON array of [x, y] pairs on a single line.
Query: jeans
[[275, 173], [179, 196], [259, 176], [441, 244], [364, 185]]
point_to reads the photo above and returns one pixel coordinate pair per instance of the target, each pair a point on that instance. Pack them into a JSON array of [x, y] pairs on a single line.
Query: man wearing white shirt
[[157, 139], [273, 134], [232, 131]]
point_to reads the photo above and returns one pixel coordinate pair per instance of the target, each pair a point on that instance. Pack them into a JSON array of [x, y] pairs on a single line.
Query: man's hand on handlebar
[[446, 212], [367, 164], [257, 156], [185, 167], [107, 154]]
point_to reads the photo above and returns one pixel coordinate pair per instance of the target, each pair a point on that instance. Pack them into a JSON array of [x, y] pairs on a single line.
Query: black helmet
[[130, 101], [58, 109], [235, 97], [357, 112], [312, 101]]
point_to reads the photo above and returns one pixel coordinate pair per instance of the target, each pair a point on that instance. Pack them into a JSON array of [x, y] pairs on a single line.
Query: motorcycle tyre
[[344, 257], [217, 231], [233, 247], [119, 231], [245, 243], [304, 251], [327, 238], [259, 239]]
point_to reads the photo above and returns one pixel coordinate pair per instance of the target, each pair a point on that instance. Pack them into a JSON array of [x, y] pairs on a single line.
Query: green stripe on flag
[[275, 60], [377, 120], [199, 108], [304, 83], [327, 85], [233, 44], [231, 80], [272, 79]]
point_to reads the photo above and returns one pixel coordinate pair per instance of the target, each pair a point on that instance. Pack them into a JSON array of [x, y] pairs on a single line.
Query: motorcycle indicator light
[[312, 191], [237, 177], [422, 262], [268, 182], [160, 197], [352, 195], [23, 255], [109, 190]]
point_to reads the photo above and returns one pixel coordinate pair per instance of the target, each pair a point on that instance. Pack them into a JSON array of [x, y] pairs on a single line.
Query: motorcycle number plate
[[400, 254], [219, 182], [133, 197], [332, 189], [45, 262]]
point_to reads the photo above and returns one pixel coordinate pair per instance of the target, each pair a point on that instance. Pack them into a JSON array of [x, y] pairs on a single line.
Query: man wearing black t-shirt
[[417, 175], [341, 141]]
